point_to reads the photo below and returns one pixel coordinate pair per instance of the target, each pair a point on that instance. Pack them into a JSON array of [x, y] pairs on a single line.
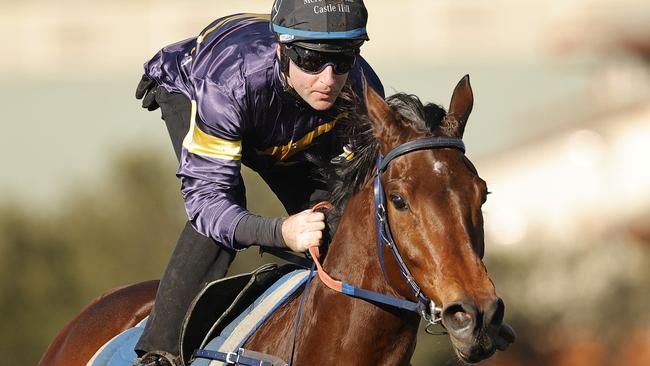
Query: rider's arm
[[213, 202], [258, 230], [215, 210], [210, 161], [210, 179], [297, 232]]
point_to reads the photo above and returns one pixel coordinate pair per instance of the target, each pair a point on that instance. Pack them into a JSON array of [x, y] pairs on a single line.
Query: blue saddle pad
[[237, 333], [119, 350]]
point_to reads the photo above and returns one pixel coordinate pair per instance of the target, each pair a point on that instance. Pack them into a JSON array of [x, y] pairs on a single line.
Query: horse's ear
[[378, 110], [385, 125], [460, 107]]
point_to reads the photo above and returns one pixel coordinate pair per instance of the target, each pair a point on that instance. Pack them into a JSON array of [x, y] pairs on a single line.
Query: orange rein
[[315, 254]]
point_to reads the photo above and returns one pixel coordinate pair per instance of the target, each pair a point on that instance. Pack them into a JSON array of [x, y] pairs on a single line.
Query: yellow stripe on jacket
[[200, 143], [283, 152]]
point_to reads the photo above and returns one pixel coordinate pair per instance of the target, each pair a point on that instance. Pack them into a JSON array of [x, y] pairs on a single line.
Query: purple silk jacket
[[240, 114]]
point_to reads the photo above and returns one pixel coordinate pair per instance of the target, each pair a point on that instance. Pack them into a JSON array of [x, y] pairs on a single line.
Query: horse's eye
[[398, 201]]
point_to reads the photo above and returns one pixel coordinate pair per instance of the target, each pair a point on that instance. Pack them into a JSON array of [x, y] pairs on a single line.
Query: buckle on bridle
[[230, 354], [381, 212]]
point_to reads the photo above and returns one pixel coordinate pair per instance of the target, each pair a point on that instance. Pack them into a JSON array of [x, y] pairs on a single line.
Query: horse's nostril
[[459, 319]]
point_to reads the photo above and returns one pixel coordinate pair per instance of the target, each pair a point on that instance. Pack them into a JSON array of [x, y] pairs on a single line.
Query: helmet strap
[[284, 74], [284, 61]]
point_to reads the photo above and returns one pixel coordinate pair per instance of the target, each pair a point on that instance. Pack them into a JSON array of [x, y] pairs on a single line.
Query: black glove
[[146, 90]]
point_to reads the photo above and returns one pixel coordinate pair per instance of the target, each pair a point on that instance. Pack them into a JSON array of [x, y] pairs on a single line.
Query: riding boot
[[195, 262]]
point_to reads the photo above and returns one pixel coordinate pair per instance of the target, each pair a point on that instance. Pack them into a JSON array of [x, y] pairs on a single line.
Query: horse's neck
[[352, 258], [353, 255]]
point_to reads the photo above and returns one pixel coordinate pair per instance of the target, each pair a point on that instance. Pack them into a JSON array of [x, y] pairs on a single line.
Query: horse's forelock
[[424, 118]]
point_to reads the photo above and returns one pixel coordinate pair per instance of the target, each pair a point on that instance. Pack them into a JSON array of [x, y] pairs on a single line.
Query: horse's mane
[[348, 177]]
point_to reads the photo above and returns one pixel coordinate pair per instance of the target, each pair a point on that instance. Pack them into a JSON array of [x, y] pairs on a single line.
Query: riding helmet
[[320, 25]]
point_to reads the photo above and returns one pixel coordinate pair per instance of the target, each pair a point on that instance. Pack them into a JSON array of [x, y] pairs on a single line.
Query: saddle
[[221, 302], [219, 320]]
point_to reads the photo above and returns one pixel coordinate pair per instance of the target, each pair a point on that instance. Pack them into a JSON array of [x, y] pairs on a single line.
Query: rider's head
[[318, 45]]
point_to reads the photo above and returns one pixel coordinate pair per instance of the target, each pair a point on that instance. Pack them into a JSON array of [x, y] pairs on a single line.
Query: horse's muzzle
[[477, 332]]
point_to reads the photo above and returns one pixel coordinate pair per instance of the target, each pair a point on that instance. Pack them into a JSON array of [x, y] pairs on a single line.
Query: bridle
[[425, 306]]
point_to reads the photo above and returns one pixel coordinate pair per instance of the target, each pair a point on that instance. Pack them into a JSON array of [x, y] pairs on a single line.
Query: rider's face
[[318, 90]]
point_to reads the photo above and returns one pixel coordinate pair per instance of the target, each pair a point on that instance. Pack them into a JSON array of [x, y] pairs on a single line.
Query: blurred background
[[560, 131]]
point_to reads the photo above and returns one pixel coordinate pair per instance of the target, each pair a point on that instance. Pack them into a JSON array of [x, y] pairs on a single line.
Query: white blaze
[[438, 167]]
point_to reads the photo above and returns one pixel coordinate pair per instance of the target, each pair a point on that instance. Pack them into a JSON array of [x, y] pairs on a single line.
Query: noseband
[[426, 307]]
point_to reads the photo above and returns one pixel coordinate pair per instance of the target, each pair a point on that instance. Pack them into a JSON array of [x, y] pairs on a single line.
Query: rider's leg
[[196, 260]]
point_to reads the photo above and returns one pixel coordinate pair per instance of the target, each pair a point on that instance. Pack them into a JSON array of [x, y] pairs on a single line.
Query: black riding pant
[[198, 260]]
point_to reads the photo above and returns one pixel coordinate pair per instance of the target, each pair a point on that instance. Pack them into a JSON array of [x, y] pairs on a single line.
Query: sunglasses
[[314, 62]]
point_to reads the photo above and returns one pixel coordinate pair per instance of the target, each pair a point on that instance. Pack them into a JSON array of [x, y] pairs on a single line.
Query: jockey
[[261, 91]]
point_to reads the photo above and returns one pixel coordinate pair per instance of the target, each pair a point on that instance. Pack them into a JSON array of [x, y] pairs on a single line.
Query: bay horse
[[433, 198]]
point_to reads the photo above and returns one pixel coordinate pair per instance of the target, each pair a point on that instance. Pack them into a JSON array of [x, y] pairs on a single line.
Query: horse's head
[[434, 199]]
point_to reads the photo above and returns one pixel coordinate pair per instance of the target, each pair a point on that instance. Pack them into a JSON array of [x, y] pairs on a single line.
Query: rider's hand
[[303, 230], [146, 90]]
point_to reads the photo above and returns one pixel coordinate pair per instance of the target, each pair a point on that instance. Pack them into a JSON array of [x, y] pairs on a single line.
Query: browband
[[421, 144]]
